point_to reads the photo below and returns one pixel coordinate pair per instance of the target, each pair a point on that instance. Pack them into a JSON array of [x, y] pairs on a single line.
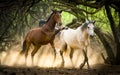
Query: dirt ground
[[12, 63], [103, 70]]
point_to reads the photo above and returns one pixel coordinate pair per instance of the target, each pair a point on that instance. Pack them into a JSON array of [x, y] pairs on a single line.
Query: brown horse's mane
[[49, 17]]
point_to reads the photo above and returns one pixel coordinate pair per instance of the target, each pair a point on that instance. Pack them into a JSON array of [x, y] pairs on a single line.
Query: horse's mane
[[83, 26], [49, 17]]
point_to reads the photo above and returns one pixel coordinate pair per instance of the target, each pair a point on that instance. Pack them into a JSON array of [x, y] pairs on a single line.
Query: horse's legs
[[33, 53], [63, 48], [61, 53], [81, 66], [85, 59], [53, 46], [71, 55], [26, 52]]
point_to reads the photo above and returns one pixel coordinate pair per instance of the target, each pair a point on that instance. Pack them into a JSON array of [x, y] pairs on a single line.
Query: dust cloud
[[45, 57]]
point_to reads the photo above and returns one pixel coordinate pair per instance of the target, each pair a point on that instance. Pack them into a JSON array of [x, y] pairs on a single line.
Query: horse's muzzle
[[91, 36]]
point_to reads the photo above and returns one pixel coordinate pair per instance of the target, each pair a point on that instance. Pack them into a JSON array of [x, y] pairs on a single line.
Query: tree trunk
[[106, 45], [115, 34]]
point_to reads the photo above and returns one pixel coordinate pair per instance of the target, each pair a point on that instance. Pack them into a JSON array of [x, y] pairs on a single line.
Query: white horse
[[77, 39]]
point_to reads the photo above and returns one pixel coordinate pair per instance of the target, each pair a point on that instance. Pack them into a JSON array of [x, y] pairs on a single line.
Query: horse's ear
[[60, 11], [93, 22], [86, 20], [53, 10]]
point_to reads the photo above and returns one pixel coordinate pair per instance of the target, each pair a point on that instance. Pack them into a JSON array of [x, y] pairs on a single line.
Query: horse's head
[[90, 28], [57, 17]]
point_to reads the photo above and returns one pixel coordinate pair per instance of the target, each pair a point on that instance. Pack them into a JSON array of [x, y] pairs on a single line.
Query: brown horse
[[42, 35]]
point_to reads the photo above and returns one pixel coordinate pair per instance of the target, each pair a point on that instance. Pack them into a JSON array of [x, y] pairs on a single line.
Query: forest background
[[19, 16]]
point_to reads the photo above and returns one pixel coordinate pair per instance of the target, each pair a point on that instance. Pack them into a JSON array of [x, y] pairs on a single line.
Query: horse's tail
[[24, 47], [58, 30]]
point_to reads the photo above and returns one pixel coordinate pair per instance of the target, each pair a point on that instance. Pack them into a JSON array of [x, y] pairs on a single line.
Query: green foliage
[[101, 20], [67, 17], [115, 16]]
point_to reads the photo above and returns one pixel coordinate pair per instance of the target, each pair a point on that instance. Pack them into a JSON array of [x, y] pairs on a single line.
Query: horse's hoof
[[62, 65], [89, 69], [81, 66]]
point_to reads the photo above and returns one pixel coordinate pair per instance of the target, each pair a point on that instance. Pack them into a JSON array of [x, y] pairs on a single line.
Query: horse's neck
[[82, 34], [51, 24], [85, 35]]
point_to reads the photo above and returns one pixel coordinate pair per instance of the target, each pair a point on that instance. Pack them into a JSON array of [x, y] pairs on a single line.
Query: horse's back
[[70, 37], [68, 34], [36, 35], [36, 31]]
